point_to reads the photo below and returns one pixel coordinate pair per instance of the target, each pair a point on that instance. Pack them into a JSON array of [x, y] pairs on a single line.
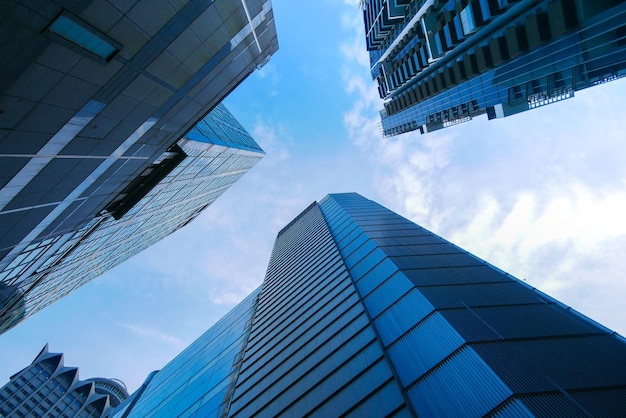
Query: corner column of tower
[[312, 349], [465, 338]]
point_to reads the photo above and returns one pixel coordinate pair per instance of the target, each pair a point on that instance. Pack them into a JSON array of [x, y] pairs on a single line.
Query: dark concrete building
[[94, 104], [363, 313], [442, 62]]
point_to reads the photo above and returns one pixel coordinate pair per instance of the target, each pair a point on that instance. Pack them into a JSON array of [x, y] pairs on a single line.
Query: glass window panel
[[467, 20], [81, 36]]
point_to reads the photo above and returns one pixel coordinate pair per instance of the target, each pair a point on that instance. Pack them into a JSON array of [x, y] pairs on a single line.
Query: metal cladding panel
[[376, 276], [312, 349], [347, 231], [513, 408], [532, 321], [306, 354], [387, 401], [451, 275], [463, 385], [338, 395], [387, 293], [423, 347], [602, 402], [366, 264], [425, 249], [566, 363], [481, 294], [552, 405], [466, 324], [359, 252], [420, 261], [402, 316], [302, 330], [298, 316], [426, 238], [464, 337]]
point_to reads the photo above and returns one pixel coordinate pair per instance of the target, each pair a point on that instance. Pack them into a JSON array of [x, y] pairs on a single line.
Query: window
[[80, 34], [467, 20]]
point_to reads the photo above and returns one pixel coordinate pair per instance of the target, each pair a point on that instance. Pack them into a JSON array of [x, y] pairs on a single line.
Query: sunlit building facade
[[100, 102], [48, 388], [169, 194], [200, 380], [438, 63], [364, 313]]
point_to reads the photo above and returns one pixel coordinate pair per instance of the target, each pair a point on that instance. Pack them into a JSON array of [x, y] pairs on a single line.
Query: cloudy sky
[[542, 195]]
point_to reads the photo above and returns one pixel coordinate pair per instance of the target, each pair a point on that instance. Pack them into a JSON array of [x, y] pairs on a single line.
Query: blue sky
[[541, 195]]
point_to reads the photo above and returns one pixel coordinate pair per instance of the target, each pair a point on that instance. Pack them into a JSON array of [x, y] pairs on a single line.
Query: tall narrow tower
[[364, 313]]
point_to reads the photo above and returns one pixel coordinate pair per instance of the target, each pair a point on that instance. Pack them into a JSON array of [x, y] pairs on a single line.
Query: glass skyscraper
[[49, 388], [364, 313], [106, 140], [441, 62], [170, 193]]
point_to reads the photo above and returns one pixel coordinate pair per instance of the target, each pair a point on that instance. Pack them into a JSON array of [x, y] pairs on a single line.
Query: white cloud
[[153, 334], [274, 140], [270, 73], [540, 194]]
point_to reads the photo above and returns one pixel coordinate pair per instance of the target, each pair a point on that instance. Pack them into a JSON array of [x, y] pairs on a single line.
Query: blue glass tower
[[364, 313], [200, 380], [441, 62], [103, 106], [166, 196]]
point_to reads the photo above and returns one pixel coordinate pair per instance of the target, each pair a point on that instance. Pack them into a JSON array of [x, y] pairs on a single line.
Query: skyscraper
[[48, 388], [441, 62], [364, 313], [103, 106], [169, 194]]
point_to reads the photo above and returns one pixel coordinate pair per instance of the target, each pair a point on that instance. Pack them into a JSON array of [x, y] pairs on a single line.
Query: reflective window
[[85, 38], [467, 20]]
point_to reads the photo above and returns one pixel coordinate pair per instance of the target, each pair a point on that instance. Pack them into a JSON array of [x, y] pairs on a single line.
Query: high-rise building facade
[[169, 194], [364, 313], [103, 105], [200, 380], [441, 62], [47, 388]]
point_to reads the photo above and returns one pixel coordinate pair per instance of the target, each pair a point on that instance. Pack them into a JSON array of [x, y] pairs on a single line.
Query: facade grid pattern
[[439, 63], [364, 313], [101, 101]]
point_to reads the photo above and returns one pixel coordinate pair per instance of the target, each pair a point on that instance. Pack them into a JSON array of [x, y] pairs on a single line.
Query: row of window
[[445, 28], [535, 29]]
